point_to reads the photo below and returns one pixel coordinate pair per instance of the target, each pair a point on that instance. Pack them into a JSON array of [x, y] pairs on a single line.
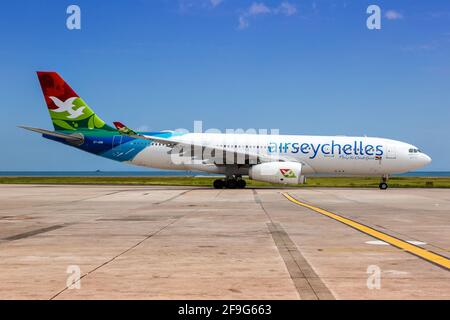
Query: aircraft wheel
[[219, 184], [383, 186], [241, 183], [231, 184]]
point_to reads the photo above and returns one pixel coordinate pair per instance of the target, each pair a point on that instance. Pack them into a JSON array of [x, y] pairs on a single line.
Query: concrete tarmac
[[131, 242]]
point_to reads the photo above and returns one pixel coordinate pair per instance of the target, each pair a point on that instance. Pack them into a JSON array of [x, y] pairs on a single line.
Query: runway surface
[[199, 243]]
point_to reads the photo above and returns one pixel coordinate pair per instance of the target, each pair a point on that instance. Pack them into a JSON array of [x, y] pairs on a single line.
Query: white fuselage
[[318, 154]]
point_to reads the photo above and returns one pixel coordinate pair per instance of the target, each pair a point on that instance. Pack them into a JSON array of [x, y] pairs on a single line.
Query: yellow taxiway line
[[415, 250]]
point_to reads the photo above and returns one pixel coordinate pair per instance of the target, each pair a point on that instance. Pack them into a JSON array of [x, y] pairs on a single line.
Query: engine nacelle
[[277, 172]]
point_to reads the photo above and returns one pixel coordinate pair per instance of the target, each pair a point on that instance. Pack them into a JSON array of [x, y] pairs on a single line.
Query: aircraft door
[[391, 153], [117, 142]]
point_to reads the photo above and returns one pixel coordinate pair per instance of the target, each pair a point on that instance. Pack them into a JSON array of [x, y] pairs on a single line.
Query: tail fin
[[67, 110]]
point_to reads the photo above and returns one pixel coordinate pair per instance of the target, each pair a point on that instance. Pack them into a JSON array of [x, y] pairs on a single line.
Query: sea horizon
[[160, 173]]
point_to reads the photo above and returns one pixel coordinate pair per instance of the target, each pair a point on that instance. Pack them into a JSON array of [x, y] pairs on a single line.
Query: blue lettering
[[315, 150], [379, 150], [295, 147], [286, 147], [272, 147], [323, 148], [304, 148], [347, 149], [357, 148], [369, 150], [333, 145]]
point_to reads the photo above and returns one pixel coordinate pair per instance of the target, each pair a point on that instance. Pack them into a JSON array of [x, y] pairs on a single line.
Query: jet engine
[[277, 172]]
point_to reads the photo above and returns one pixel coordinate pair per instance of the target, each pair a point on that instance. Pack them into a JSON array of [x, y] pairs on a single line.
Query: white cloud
[[215, 3], [243, 23], [143, 128], [393, 15], [189, 6], [438, 14], [259, 8], [286, 8]]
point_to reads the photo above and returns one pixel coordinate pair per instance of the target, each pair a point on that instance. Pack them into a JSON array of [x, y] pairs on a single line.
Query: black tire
[[383, 185], [241, 183], [231, 184], [219, 184]]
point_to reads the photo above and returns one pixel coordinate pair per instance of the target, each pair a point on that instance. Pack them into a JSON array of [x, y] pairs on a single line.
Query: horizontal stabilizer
[[75, 138]]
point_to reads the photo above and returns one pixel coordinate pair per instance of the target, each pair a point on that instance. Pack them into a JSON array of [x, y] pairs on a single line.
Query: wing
[[208, 152]]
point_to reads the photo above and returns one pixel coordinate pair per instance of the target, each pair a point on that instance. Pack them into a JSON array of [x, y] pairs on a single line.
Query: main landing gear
[[383, 184], [234, 182]]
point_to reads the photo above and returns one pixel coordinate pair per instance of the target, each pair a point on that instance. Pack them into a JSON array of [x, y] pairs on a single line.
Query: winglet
[[123, 129]]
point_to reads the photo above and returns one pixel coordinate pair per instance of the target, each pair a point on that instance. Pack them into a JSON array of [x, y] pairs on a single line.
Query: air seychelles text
[[357, 148]]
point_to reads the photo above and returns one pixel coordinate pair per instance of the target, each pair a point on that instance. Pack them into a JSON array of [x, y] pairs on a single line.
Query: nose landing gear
[[233, 182], [383, 184]]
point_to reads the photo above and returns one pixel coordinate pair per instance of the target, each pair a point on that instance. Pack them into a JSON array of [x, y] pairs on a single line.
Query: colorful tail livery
[[67, 110]]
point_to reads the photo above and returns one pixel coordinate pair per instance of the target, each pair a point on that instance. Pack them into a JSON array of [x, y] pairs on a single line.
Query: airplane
[[282, 159]]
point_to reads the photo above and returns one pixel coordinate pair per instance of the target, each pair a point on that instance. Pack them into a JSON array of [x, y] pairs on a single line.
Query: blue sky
[[303, 66]]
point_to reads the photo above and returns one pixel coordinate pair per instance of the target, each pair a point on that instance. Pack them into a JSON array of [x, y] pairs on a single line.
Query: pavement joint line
[[63, 203], [308, 284], [417, 251], [34, 232], [117, 256], [174, 197]]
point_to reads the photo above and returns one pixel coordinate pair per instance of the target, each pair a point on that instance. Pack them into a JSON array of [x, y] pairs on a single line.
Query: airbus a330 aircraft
[[284, 159]]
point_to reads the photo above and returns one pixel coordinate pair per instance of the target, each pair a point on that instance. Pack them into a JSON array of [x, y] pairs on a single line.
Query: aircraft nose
[[426, 159]]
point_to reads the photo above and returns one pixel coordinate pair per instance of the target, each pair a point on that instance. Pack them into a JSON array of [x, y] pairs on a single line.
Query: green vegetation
[[352, 182]]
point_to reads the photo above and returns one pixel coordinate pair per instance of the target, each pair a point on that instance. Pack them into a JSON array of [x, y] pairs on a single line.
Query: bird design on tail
[[67, 106]]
